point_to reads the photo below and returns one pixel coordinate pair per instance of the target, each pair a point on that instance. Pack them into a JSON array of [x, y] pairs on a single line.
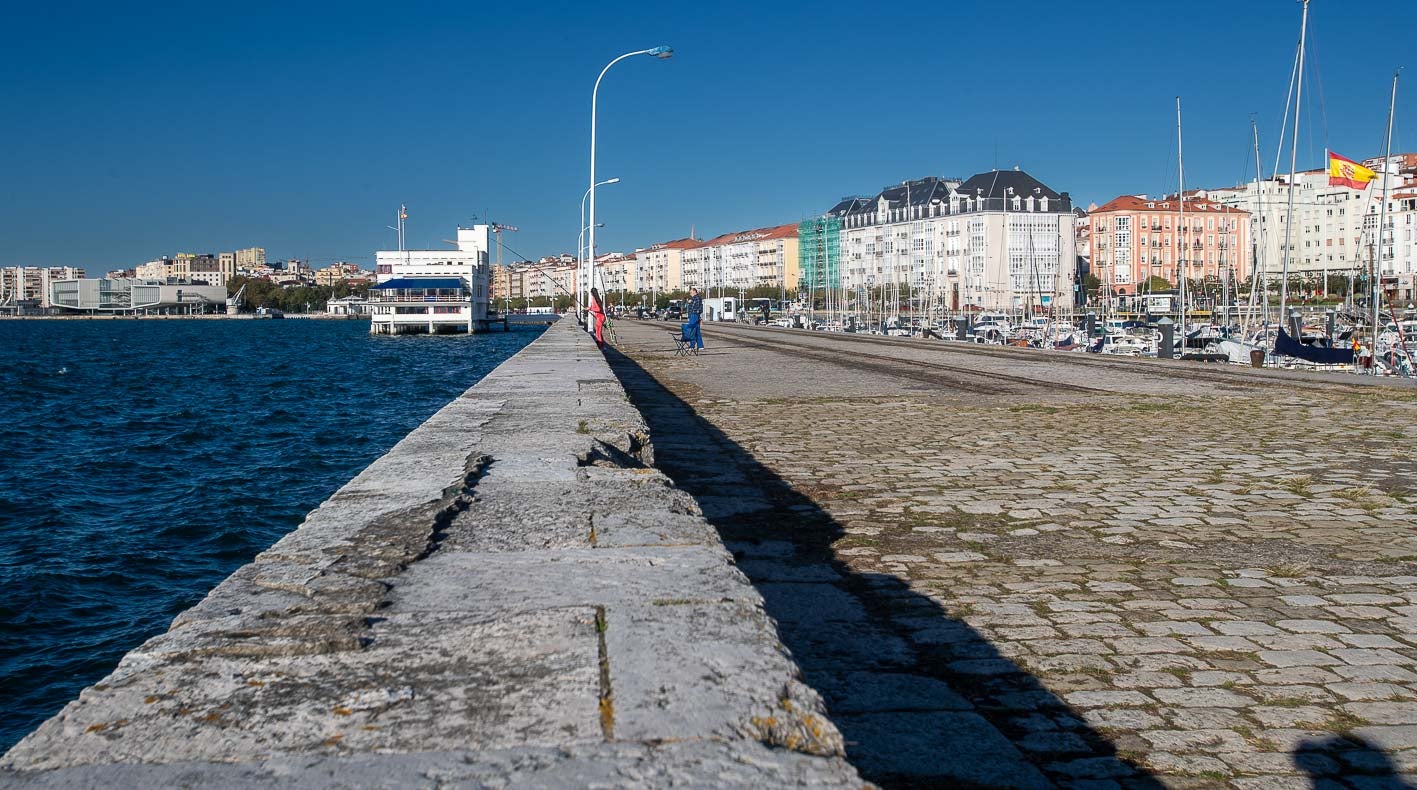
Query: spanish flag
[[1344, 172]]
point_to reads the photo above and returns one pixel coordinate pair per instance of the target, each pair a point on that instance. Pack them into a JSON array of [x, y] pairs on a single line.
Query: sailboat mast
[[1258, 281], [1382, 224], [1181, 197], [1293, 170]]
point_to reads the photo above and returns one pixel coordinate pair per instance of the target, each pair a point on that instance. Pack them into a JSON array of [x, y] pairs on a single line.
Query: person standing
[[696, 318], [597, 314]]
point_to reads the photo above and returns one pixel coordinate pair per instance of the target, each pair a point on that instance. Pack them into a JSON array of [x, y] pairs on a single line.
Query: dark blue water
[[141, 462]]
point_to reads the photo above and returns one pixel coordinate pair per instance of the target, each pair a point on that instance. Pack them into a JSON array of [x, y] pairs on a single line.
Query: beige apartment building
[[251, 258], [660, 268], [549, 278]]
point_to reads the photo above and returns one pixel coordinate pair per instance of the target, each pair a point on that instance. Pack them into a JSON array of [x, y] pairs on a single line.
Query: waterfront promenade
[[1016, 568]]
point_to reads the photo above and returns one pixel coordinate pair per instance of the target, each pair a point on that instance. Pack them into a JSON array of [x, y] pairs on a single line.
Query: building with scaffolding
[[819, 253]]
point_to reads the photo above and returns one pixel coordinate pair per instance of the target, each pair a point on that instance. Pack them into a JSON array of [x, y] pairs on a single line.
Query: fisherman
[[597, 314], [694, 331]]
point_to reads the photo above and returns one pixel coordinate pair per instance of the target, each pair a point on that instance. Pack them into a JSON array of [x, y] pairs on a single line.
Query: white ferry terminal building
[[433, 291]]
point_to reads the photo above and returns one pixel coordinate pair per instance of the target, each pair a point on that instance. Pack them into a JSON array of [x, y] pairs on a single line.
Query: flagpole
[[1382, 223]]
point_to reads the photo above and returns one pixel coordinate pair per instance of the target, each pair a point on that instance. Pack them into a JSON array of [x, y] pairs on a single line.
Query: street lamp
[[662, 53], [580, 245], [580, 241]]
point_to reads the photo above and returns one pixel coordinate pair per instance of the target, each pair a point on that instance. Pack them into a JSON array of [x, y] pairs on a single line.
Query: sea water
[[142, 461]]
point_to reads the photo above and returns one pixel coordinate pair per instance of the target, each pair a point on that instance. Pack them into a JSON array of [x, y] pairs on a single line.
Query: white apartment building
[[1335, 227], [1399, 259], [549, 278], [617, 272], [999, 240], [30, 285]]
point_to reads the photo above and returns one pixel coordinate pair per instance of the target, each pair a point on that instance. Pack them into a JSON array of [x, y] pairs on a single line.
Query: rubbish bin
[[1256, 357]]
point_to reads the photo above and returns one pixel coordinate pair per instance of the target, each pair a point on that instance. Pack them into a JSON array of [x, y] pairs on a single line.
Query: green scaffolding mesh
[[819, 252]]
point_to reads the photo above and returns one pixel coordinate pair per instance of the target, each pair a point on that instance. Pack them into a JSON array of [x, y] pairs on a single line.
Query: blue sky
[[130, 133]]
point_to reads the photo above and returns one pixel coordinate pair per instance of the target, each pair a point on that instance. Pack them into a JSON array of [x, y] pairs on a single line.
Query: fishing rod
[[538, 269]]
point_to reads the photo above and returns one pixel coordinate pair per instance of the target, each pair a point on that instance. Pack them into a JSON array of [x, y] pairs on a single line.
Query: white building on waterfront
[[1000, 240], [416, 291], [103, 295]]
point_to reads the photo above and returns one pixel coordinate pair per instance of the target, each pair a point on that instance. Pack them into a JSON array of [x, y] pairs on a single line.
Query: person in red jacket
[[597, 313]]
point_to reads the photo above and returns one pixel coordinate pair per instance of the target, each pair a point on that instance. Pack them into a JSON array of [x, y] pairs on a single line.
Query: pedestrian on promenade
[[597, 314], [694, 330]]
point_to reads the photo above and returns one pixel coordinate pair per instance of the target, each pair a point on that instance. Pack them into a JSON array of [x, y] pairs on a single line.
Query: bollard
[[1167, 349]]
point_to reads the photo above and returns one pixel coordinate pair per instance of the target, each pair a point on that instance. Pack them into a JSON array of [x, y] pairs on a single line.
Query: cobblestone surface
[[1210, 585]]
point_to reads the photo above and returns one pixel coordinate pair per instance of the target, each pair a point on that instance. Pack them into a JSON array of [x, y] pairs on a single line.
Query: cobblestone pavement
[[1215, 587]]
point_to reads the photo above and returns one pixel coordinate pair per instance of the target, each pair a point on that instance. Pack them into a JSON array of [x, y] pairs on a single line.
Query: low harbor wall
[[511, 595]]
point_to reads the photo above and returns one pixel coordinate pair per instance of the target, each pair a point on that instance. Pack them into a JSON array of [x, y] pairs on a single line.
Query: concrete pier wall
[[512, 594]]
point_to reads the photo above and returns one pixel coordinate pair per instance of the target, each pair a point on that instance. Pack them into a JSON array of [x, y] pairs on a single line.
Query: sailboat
[[1286, 344]]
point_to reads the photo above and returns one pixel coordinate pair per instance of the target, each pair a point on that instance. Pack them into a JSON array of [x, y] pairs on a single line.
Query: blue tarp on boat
[[1319, 355]]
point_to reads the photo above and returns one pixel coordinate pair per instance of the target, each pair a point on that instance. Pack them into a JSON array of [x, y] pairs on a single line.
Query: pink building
[[1136, 237]]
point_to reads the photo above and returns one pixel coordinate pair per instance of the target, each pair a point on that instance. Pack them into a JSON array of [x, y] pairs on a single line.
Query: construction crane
[[497, 228]]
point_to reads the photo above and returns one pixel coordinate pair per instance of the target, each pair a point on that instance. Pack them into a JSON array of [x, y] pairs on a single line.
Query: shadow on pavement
[[922, 699], [1347, 761]]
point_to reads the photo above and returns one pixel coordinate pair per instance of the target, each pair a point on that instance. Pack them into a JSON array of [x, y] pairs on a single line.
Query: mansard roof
[[919, 192], [1002, 184]]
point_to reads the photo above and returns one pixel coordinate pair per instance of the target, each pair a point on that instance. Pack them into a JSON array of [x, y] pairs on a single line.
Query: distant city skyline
[[138, 133]]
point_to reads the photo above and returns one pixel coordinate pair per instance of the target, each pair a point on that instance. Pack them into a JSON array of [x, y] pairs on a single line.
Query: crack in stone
[[607, 694]]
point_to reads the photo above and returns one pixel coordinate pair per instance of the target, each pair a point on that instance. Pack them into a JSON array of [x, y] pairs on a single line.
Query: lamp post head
[[615, 180], [663, 53]]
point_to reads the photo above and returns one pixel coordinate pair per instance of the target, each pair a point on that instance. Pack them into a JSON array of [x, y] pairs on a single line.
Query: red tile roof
[[757, 234], [677, 244], [1166, 205]]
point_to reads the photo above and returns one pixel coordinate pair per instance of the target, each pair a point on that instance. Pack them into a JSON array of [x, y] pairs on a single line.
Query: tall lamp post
[[580, 243], [663, 53]]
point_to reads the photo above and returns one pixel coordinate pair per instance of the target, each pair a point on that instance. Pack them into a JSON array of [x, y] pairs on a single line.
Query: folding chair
[[682, 345]]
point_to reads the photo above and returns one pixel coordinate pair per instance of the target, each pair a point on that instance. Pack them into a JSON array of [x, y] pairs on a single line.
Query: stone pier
[[512, 595]]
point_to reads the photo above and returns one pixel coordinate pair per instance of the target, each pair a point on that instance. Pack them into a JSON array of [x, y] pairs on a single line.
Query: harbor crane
[[233, 303]]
